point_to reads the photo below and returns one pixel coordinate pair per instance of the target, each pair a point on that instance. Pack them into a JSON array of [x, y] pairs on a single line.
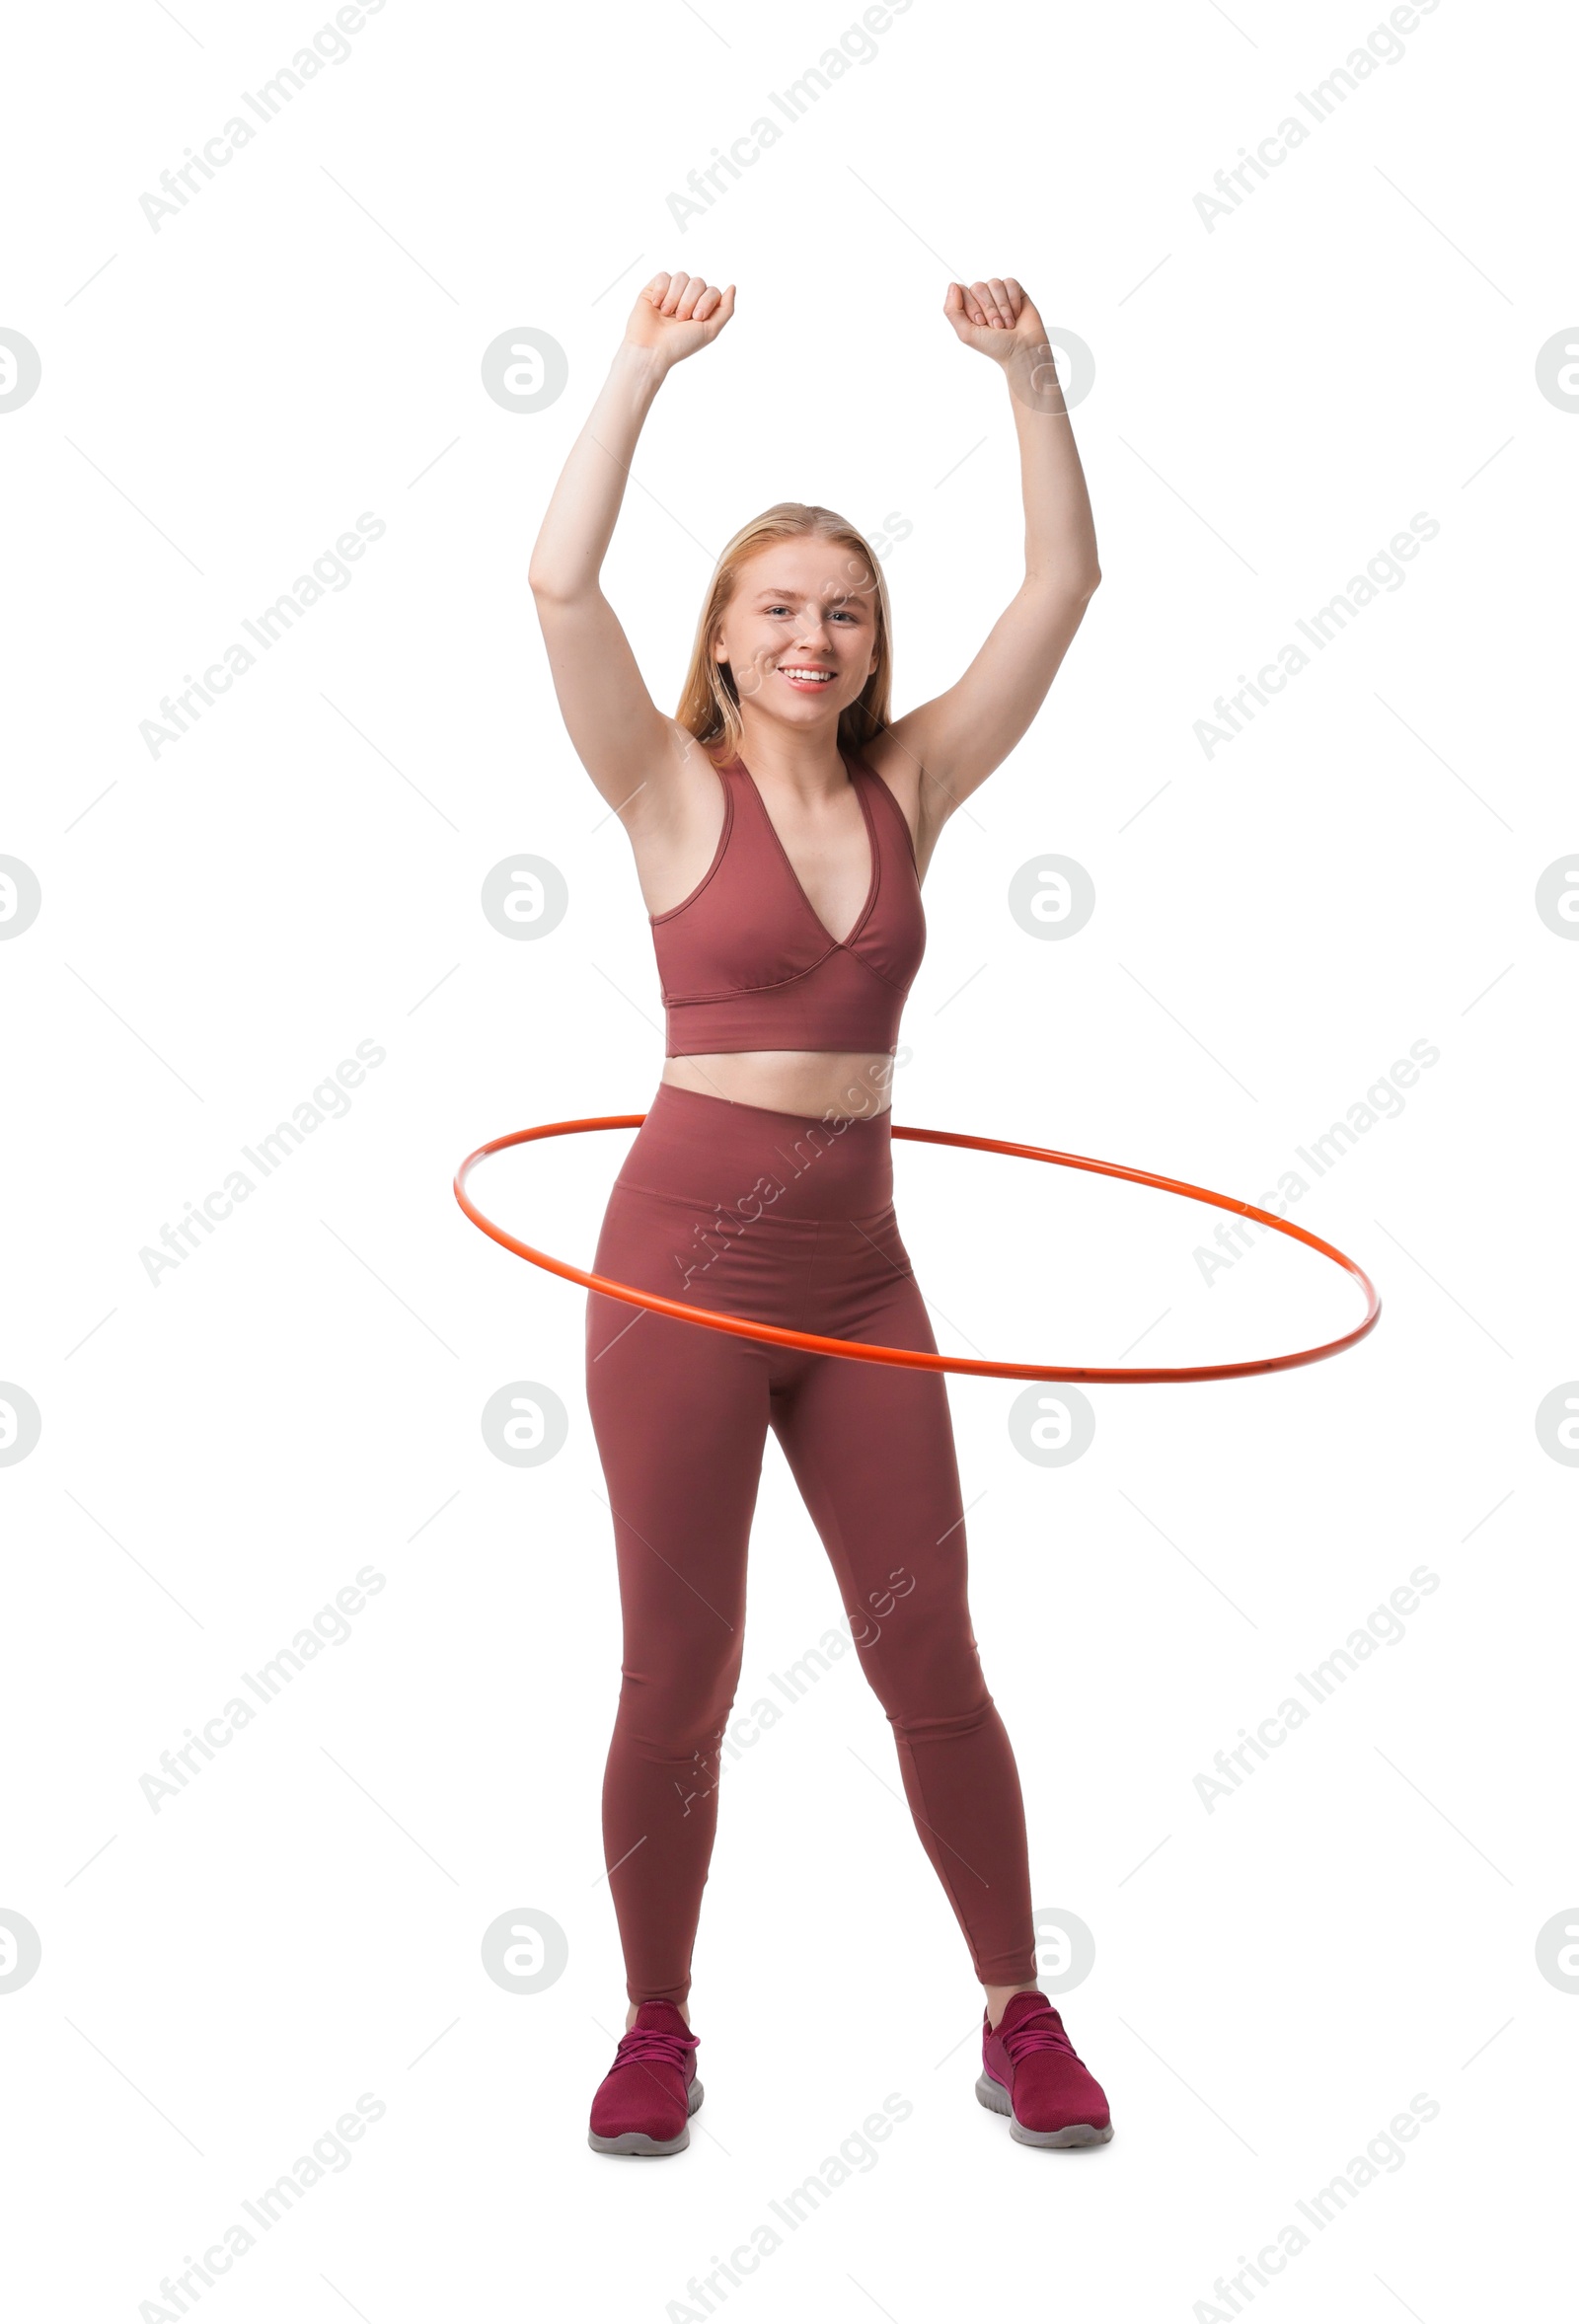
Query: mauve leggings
[[790, 1222]]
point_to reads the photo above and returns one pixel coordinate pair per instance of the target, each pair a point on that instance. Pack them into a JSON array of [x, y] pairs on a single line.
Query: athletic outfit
[[765, 1215]]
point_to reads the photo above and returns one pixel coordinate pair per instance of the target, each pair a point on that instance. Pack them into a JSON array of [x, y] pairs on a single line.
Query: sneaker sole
[[994, 2096], [640, 2142]]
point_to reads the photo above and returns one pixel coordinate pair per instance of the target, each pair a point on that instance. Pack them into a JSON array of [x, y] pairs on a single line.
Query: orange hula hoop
[[919, 1359]]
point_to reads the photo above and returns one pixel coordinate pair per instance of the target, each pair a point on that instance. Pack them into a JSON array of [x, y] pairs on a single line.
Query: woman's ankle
[[684, 2008], [1000, 1996]]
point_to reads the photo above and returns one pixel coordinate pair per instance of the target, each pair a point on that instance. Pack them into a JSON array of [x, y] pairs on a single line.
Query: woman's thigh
[[680, 1416], [871, 1450]]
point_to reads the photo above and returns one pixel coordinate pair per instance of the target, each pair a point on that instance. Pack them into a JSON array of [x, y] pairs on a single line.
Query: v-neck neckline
[[836, 943]]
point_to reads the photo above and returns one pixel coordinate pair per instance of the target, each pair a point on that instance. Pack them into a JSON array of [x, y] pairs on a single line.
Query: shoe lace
[[651, 2042], [1040, 2031]]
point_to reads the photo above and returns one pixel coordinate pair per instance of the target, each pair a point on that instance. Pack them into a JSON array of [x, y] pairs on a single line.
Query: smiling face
[[800, 630]]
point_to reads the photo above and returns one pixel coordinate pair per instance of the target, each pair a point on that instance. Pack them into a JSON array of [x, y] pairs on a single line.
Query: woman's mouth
[[804, 677]]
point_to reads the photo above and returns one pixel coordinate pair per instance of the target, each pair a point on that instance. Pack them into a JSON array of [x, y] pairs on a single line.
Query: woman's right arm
[[617, 731]]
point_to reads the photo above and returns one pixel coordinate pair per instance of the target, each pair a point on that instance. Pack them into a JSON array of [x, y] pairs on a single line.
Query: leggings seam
[[808, 1272]]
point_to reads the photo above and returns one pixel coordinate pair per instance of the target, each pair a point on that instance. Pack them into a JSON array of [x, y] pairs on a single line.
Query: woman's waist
[[804, 1082], [697, 1150]]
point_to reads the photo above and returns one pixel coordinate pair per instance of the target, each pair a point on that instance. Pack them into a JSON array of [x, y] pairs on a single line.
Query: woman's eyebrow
[[839, 597]]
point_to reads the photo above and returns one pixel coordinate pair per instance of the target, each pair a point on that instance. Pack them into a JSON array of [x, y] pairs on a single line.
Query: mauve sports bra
[[745, 963]]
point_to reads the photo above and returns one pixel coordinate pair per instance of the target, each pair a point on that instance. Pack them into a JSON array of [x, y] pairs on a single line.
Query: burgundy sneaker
[[1030, 2072], [644, 2102]]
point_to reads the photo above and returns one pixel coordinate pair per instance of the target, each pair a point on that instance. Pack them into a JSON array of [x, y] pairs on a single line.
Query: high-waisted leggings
[[790, 1222]]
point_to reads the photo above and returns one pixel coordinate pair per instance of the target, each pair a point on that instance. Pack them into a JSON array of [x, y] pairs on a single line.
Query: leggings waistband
[[714, 1153]]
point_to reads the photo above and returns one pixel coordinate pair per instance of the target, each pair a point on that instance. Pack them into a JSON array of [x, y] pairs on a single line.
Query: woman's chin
[[787, 707]]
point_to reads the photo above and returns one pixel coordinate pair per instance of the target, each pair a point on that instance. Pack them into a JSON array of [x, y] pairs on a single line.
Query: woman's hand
[[676, 314], [995, 317]]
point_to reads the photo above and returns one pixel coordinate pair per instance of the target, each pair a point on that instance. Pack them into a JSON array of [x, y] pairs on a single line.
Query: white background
[[220, 925]]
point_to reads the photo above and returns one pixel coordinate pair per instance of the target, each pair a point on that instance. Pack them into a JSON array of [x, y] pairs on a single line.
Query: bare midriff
[[808, 1082]]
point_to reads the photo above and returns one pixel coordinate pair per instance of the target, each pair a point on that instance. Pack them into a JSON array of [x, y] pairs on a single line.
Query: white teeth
[[821, 677]]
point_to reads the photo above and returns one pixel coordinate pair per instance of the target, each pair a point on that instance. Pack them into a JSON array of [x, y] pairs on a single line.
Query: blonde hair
[[709, 702]]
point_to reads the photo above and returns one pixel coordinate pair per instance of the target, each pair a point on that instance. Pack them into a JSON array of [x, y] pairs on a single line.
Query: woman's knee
[[932, 1670], [679, 1709]]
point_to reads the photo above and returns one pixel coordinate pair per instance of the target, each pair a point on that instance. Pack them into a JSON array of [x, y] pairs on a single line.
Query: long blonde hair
[[709, 702]]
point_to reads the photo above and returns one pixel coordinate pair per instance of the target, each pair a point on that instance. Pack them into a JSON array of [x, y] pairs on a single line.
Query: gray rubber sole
[[993, 2094], [639, 2142]]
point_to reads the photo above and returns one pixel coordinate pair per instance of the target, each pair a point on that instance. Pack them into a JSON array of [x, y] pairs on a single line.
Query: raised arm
[[619, 734], [955, 741]]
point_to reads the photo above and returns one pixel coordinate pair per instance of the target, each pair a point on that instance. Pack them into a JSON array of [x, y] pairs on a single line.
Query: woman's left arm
[[948, 746]]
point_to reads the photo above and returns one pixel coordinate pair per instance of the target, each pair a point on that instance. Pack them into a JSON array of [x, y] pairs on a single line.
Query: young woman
[[783, 823]]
